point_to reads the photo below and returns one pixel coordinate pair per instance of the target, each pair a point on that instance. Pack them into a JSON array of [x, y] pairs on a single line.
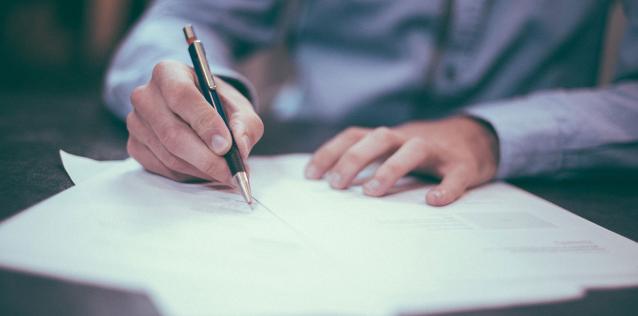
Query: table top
[[34, 127]]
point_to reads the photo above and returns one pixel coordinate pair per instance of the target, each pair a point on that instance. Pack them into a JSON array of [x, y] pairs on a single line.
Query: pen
[[209, 90]]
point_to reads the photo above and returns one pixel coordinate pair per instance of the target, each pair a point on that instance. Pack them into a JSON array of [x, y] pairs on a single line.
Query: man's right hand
[[175, 132]]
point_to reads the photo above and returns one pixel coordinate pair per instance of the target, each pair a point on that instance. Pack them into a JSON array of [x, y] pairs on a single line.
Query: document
[[81, 168], [303, 248]]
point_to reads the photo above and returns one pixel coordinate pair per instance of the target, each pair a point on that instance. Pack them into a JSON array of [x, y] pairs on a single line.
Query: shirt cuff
[[239, 82], [529, 135]]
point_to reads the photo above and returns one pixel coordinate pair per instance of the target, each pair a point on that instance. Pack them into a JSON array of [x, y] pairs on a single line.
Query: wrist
[[485, 137]]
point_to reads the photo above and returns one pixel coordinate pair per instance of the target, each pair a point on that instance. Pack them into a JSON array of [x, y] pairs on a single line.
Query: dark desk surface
[[34, 128]]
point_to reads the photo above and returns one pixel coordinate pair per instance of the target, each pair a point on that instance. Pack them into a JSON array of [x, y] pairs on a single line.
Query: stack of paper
[[307, 249]]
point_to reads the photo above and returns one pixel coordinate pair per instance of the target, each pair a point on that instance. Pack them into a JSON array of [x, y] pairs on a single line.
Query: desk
[[33, 128]]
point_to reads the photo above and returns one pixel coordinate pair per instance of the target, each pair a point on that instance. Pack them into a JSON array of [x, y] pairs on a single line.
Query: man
[[470, 90]]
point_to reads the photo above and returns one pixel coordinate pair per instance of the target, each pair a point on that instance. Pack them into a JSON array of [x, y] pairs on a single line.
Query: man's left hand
[[461, 151]]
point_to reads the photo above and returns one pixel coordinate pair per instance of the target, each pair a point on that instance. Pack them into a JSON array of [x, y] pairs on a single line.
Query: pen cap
[[189, 33], [198, 56]]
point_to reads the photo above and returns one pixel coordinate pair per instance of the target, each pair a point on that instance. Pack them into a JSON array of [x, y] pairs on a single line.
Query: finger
[[247, 130], [328, 154], [453, 185], [413, 154], [246, 126], [372, 146], [145, 157], [140, 131], [176, 136], [178, 87], [181, 141]]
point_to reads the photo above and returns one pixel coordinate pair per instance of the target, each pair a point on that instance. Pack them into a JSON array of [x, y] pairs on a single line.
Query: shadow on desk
[[25, 294], [597, 302]]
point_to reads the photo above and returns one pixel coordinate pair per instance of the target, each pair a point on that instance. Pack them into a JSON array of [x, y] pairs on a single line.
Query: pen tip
[[244, 186], [247, 197]]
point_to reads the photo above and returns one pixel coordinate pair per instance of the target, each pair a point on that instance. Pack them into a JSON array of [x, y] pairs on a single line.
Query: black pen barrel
[[232, 157]]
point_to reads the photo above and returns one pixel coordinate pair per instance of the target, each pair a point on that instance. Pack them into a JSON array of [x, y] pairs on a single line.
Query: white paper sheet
[[81, 168], [307, 249]]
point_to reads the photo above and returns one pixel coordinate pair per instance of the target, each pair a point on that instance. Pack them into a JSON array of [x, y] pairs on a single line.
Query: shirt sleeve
[[229, 30], [557, 131]]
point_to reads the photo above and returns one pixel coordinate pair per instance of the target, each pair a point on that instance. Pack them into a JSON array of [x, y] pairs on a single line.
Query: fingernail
[[238, 128], [219, 144], [372, 186], [312, 172], [334, 179], [437, 194]]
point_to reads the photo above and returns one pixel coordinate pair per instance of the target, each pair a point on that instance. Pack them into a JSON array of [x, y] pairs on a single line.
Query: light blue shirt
[[527, 67]]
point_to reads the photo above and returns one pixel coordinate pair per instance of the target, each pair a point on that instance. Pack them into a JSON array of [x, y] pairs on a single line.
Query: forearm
[[554, 131], [158, 36]]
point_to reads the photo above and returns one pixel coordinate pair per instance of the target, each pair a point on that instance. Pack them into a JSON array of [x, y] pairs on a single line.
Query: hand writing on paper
[[174, 132], [461, 151]]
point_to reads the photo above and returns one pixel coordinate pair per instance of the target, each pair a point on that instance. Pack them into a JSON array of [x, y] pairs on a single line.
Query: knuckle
[[354, 132], [383, 134], [353, 158], [159, 70], [138, 95], [178, 95], [170, 136], [417, 144], [171, 162], [390, 169], [205, 121]]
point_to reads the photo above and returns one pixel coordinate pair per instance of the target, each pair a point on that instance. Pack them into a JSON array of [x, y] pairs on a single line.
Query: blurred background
[[64, 46], [60, 44]]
